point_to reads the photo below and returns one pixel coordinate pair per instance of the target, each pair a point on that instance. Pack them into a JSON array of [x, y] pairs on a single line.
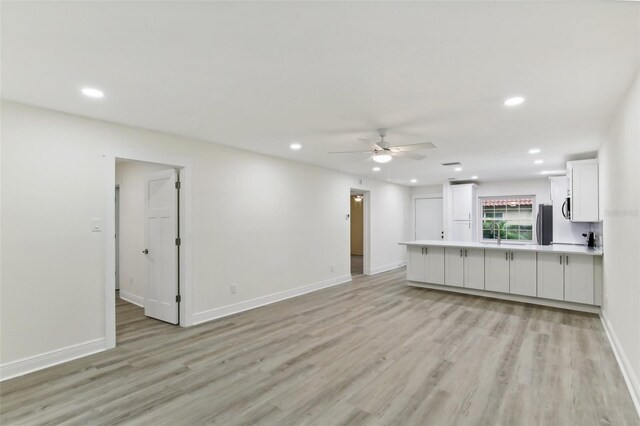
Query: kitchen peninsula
[[565, 276]]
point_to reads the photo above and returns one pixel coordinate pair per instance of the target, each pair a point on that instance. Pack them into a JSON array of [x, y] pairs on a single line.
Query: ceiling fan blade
[[372, 145], [414, 147], [402, 154], [349, 152]]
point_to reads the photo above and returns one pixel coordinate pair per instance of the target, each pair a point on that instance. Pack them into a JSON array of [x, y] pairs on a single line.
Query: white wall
[[266, 224], [130, 176], [540, 188], [619, 162]]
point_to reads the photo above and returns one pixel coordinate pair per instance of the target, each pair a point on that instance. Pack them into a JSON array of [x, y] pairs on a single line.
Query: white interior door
[[428, 219], [161, 231]]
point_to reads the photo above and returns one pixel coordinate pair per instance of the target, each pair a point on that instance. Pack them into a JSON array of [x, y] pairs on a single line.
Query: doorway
[[147, 252], [359, 232], [428, 218]]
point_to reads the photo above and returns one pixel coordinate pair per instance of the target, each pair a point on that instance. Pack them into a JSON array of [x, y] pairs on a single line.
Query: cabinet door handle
[[511, 255], [426, 250], [469, 216], [561, 259], [465, 252], [460, 252], [422, 250], [506, 255], [567, 260]]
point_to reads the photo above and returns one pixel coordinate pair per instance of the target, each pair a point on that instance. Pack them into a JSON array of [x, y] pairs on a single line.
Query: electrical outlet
[[232, 288]]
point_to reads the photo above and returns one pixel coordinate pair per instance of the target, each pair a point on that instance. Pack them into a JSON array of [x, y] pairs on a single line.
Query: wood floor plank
[[372, 352]]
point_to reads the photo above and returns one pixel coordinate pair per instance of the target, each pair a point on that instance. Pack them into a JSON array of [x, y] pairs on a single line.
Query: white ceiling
[[259, 76]]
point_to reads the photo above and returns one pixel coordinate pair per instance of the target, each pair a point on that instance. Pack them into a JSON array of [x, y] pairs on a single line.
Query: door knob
[[145, 251]]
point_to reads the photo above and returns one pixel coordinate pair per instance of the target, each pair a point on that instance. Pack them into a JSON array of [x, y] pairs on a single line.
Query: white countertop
[[558, 248]]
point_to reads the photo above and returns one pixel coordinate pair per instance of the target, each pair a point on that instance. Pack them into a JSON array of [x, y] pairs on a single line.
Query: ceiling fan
[[383, 152]]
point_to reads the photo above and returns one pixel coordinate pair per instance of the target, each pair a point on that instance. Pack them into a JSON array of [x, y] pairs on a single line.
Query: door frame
[[366, 240], [414, 197], [185, 165]]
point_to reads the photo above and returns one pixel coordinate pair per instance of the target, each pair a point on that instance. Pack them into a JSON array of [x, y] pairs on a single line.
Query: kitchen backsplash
[[596, 228]]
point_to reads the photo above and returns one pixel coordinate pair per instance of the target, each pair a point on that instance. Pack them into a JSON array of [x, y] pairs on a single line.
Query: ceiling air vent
[[455, 163]]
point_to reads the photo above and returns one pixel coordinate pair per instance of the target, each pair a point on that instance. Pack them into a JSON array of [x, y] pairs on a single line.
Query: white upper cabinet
[[463, 201], [583, 185], [462, 230]]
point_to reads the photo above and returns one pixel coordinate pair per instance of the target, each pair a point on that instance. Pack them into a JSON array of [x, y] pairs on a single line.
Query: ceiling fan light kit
[[382, 152], [382, 157]]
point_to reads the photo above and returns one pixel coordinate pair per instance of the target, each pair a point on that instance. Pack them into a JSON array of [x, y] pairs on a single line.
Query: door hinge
[[178, 298], [178, 184], [178, 241]]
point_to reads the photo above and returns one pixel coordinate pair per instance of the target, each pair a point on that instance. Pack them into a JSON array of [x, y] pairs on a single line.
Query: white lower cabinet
[[474, 268], [426, 264], [566, 277], [522, 273], [578, 279], [416, 266], [496, 270], [510, 272], [453, 266], [556, 276], [551, 276], [464, 267]]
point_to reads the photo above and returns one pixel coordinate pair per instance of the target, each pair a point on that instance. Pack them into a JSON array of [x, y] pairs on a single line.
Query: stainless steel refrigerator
[[544, 224]]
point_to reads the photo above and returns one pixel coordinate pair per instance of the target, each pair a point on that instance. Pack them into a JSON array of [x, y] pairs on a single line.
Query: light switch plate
[[96, 225]]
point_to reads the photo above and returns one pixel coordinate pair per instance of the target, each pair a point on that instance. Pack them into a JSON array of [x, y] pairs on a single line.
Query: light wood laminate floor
[[372, 352]]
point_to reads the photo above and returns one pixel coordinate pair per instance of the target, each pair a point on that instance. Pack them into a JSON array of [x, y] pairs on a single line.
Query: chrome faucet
[[495, 225]]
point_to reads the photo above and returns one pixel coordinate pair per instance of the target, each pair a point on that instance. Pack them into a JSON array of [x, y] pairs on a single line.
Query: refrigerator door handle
[[538, 223]]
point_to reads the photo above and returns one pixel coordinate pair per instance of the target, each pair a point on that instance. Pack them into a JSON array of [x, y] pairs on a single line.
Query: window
[[512, 216]]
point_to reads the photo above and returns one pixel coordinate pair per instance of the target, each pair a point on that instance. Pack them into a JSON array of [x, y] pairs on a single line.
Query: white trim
[[49, 359], [512, 297], [132, 298], [224, 311], [389, 267], [623, 362], [186, 285]]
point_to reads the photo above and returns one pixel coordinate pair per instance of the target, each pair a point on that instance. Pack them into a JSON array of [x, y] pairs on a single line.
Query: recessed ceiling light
[[295, 146], [414, 180], [457, 169], [514, 101], [538, 162], [553, 172], [92, 93], [534, 151], [474, 177], [376, 169]]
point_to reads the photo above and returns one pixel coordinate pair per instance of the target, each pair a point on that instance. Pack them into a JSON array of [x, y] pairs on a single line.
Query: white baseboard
[[388, 267], [627, 372], [224, 311], [132, 298], [48, 359]]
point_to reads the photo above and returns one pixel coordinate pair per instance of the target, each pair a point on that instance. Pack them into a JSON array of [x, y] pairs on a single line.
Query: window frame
[[532, 219]]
